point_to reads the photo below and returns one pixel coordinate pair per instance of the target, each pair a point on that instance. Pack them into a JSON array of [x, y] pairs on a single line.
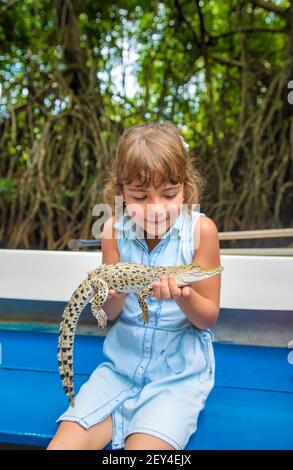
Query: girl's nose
[[156, 209]]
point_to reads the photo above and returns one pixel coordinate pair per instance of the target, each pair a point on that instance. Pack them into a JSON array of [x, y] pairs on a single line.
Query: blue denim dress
[[157, 376]]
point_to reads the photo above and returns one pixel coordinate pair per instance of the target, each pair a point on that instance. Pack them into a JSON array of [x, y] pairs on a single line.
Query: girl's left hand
[[167, 289]]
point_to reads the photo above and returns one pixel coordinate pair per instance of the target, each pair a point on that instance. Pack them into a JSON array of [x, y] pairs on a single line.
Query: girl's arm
[[114, 305], [202, 305], [201, 302], [110, 254]]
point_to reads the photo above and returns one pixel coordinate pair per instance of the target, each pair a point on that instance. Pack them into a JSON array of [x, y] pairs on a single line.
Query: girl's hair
[[155, 153]]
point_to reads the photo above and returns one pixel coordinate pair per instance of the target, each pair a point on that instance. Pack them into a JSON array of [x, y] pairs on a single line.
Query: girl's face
[[152, 209]]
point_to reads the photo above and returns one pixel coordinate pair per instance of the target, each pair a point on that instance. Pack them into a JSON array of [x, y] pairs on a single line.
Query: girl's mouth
[[156, 222]]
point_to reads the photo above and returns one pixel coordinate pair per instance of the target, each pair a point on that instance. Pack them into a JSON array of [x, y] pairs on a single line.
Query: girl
[[149, 392]]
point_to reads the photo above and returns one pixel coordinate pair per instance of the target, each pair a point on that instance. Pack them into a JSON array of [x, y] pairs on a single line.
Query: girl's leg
[[72, 436], [142, 441]]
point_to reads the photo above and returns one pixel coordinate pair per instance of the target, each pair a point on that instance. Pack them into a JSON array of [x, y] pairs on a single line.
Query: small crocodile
[[123, 277]]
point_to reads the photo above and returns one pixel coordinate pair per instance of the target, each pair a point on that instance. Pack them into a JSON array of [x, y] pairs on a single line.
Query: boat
[[251, 405]]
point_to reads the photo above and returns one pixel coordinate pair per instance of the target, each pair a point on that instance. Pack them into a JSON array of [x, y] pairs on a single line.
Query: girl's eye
[[142, 198]]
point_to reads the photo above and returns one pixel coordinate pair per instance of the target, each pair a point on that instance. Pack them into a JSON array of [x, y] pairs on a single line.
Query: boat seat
[[250, 406]]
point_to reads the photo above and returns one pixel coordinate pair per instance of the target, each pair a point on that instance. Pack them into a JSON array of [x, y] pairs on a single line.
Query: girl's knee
[[69, 436], [55, 445], [72, 436], [143, 441]]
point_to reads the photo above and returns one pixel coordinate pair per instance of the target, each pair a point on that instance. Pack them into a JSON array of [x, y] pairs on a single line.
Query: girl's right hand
[[112, 292]]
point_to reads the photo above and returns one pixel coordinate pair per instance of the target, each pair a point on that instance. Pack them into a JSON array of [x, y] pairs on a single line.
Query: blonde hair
[[156, 153]]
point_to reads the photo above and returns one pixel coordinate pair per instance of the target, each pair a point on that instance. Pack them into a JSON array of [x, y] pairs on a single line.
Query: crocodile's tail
[[79, 299]]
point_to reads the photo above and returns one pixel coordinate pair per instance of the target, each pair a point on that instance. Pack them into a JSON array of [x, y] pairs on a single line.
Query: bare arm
[[202, 305], [200, 302]]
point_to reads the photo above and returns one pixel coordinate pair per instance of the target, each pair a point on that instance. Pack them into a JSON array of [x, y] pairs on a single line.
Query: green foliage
[[8, 187], [206, 65]]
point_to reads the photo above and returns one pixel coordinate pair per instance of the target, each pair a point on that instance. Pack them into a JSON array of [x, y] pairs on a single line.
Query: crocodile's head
[[194, 272]]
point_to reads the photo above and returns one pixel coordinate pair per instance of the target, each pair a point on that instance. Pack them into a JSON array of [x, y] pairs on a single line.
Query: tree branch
[[7, 5], [271, 7], [183, 19], [229, 62], [252, 29]]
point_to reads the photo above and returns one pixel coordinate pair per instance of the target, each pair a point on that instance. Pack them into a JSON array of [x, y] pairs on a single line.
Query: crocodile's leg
[[143, 305], [99, 298]]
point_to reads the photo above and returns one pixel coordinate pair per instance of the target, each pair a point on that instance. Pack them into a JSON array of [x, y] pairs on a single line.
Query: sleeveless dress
[[157, 376]]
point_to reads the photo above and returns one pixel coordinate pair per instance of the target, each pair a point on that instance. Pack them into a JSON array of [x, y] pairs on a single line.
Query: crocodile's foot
[[101, 316]]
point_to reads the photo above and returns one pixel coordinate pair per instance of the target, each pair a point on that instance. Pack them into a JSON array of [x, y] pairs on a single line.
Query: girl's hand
[[115, 293], [167, 289], [112, 292]]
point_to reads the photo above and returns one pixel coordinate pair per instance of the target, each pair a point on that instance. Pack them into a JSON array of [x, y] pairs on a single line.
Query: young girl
[[149, 392]]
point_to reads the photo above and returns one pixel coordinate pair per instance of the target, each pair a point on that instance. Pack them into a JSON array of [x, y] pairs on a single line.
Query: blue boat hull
[[250, 407]]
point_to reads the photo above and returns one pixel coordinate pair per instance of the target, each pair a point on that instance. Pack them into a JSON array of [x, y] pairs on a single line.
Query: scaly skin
[[123, 277]]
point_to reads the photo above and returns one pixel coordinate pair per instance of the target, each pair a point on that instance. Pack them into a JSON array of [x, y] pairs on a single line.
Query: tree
[[220, 70]]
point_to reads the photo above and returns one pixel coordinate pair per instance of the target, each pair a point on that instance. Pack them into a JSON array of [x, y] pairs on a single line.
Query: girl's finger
[[157, 290], [174, 290], [165, 288], [116, 293], [110, 293], [186, 291]]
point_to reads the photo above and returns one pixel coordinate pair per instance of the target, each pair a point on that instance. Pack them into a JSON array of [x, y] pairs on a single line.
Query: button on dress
[[156, 377]]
